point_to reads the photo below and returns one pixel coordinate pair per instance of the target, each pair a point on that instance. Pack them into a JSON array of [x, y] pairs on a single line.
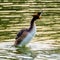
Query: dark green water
[[17, 14]]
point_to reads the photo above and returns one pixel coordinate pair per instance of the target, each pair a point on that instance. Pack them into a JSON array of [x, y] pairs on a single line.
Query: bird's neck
[[31, 24]]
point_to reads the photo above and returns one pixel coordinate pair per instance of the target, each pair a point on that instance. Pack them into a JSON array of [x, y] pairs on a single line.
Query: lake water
[[15, 15], [40, 50]]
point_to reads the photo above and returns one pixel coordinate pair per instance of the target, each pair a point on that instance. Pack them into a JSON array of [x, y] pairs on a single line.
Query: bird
[[24, 36]]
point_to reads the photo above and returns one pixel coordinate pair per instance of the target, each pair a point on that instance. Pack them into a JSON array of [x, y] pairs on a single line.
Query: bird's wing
[[20, 36], [20, 33]]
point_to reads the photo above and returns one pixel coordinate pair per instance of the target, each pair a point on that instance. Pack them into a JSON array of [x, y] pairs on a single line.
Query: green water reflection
[[9, 52]]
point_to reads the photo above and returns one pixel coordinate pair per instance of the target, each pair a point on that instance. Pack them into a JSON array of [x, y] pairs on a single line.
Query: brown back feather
[[20, 39]]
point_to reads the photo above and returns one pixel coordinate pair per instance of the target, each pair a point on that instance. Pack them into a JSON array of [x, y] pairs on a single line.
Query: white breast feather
[[29, 36]]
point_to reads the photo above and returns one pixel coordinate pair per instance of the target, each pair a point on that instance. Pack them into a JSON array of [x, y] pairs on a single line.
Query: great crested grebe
[[24, 36]]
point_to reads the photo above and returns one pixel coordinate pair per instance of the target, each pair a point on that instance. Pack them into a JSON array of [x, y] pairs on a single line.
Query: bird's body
[[24, 36], [28, 36]]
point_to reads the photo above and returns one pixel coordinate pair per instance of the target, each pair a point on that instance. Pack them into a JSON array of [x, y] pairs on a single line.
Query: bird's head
[[37, 15]]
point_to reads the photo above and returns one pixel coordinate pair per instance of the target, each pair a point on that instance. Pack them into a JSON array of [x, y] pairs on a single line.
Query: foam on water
[[43, 48]]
